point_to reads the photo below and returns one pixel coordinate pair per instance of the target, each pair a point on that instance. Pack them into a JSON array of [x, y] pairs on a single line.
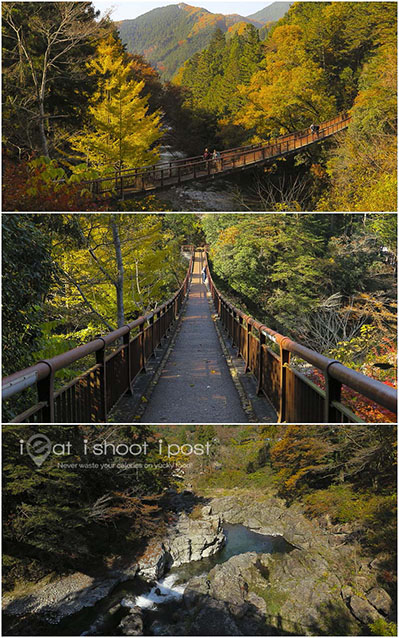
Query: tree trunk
[[120, 276], [42, 131], [41, 98]]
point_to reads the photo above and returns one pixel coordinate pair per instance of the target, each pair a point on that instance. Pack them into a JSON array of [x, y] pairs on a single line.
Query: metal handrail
[[44, 370], [335, 372]]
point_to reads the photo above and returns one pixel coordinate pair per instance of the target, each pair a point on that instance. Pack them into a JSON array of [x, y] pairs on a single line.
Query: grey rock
[[153, 562], [257, 602], [132, 624], [194, 539], [214, 620], [363, 611], [196, 590], [380, 599]]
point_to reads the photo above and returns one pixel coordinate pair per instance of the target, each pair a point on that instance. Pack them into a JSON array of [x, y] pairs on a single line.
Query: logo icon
[[38, 448]]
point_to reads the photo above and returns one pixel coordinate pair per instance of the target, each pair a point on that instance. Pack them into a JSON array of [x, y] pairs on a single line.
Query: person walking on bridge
[[203, 273], [207, 157], [216, 159]]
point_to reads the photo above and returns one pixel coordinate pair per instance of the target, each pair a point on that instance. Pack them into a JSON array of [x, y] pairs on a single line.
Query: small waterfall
[[164, 591]]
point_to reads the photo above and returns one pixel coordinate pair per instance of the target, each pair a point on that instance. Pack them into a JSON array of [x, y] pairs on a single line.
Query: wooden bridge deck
[[160, 176]]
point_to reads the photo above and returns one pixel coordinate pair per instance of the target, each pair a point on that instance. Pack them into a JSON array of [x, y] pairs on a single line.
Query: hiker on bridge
[[314, 128], [207, 155], [203, 273], [216, 159]]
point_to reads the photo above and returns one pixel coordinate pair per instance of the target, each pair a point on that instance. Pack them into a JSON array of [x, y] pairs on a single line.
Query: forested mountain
[[168, 36], [271, 13]]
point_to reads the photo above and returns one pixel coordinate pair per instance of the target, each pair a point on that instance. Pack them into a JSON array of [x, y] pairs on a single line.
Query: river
[[161, 601]]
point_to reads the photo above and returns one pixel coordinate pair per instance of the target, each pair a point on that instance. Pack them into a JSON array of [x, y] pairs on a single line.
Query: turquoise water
[[160, 601]]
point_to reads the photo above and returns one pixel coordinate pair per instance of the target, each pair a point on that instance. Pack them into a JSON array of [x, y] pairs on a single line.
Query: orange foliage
[[18, 179], [364, 408]]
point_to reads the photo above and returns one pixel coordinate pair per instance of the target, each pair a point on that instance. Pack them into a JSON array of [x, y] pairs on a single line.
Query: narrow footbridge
[[194, 385], [144, 179]]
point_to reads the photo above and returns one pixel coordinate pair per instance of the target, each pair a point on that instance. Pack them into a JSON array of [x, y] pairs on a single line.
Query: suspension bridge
[[195, 384], [136, 181]]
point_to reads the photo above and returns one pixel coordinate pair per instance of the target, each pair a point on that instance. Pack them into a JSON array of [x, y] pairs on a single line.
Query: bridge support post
[[151, 322], [240, 329], [262, 341], [284, 361], [233, 327], [100, 359], [45, 393], [126, 342], [248, 330], [333, 393], [142, 339]]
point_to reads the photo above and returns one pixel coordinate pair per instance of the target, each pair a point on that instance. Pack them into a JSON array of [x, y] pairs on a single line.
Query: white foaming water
[[166, 592]]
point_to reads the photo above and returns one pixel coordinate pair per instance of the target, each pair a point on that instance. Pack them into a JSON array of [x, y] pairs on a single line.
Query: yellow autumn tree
[[289, 92], [121, 133]]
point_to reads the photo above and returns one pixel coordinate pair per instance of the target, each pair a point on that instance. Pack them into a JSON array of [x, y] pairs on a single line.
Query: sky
[[129, 9]]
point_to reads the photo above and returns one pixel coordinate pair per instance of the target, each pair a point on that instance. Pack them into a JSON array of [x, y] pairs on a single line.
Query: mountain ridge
[[168, 36]]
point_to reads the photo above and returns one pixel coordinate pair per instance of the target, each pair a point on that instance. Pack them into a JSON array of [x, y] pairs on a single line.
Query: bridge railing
[[89, 397], [294, 396], [159, 175]]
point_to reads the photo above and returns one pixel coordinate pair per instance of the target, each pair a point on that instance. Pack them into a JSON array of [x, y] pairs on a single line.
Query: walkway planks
[[195, 385]]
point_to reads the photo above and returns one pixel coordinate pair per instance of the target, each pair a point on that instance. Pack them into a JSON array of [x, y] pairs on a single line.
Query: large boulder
[[194, 539], [153, 562], [380, 599], [214, 619], [195, 591], [363, 610], [295, 593]]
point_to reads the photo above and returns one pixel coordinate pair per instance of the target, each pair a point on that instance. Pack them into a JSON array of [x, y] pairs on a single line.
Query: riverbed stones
[[63, 597]]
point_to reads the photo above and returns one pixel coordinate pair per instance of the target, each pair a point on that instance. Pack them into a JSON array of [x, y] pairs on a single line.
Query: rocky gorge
[[190, 583]]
